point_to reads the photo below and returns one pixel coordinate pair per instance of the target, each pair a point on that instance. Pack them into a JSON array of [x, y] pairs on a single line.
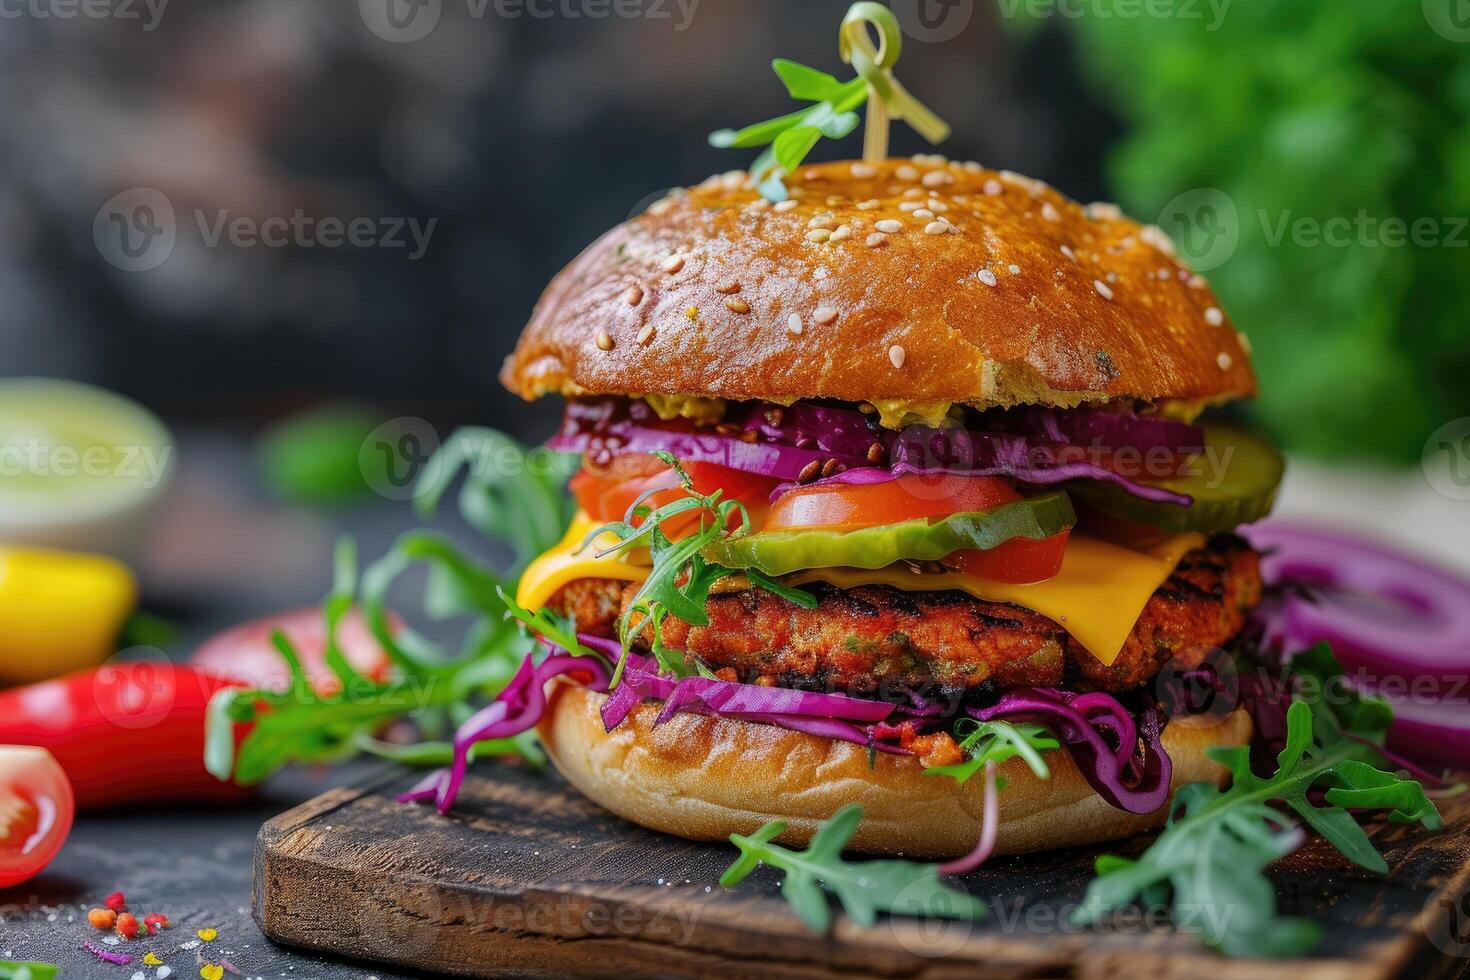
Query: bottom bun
[[707, 778]]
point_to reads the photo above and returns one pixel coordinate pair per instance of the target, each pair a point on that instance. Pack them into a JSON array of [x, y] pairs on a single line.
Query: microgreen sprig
[[864, 888], [679, 579], [998, 742], [790, 138]]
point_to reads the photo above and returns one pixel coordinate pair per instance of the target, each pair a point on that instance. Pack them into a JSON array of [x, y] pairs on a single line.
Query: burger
[[902, 492]]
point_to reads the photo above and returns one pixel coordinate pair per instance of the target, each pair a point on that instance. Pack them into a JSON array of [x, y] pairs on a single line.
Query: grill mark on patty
[[859, 638]]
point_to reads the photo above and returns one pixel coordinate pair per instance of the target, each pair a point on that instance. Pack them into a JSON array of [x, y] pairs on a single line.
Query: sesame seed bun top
[[915, 282]]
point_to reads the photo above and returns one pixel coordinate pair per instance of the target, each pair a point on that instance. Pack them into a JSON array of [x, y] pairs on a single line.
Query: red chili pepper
[[155, 922], [116, 901], [124, 732], [127, 925]]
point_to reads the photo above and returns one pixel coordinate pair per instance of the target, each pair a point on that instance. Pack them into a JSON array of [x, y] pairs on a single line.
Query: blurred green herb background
[[1315, 110]]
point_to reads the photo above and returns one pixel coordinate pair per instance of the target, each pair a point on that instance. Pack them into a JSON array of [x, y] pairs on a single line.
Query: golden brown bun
[[707, 778], [717, 273]]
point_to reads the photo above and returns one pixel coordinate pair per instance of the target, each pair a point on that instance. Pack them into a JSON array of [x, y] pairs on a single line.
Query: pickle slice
[[781, 552], [1233, 483]]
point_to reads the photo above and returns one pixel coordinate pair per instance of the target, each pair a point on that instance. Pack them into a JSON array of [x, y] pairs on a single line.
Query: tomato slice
[[606, 493], [1019, 561], [890, 502], [246, 653], [36, 812]]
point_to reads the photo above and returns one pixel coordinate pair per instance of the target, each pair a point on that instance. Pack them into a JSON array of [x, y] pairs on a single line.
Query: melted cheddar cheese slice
[[1097, 597]]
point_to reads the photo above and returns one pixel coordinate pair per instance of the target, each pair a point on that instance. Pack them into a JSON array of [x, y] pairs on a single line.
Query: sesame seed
[[936, 228], [972, 166], [784, 206], [863, 171], [812, 174], [1225, 361], [727, 287], [818, 235], [835, 200], [994, 188], [1014, 269], [1067, 251], [646, 334], [889, 226], [937, 178], [604, 340], [793, 323], [1102, 289], [822, 221], [907, 172], [1245, 342], [1214, 317], [661, 207], [1050, 213], [908, 207], [842, 233], [923, 213], [871, 204], [896, 355], [736, 305], [1158, 238], [937, 205], [1197, 282], [673, 263], [876, 240], [987, 277], [1103, 211], [824, 315], [633, 295]]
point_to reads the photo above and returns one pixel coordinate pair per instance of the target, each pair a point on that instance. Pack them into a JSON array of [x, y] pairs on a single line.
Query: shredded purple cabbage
[[1129, 776], [1096, 427], [1048, 447], [519, 707]]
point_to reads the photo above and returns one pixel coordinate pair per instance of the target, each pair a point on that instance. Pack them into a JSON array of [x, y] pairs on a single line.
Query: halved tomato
[[606, 493], [36, 812], [891, 502]]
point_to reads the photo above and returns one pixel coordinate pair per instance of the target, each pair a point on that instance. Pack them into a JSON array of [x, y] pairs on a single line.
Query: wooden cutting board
[[529, 879]]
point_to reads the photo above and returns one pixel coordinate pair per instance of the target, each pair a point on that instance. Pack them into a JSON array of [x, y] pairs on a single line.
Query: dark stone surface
[[192, 864]]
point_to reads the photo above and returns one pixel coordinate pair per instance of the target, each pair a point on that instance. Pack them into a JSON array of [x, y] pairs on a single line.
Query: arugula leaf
[[1213, 854], [864, 888], [999, 742], [507, 496]]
